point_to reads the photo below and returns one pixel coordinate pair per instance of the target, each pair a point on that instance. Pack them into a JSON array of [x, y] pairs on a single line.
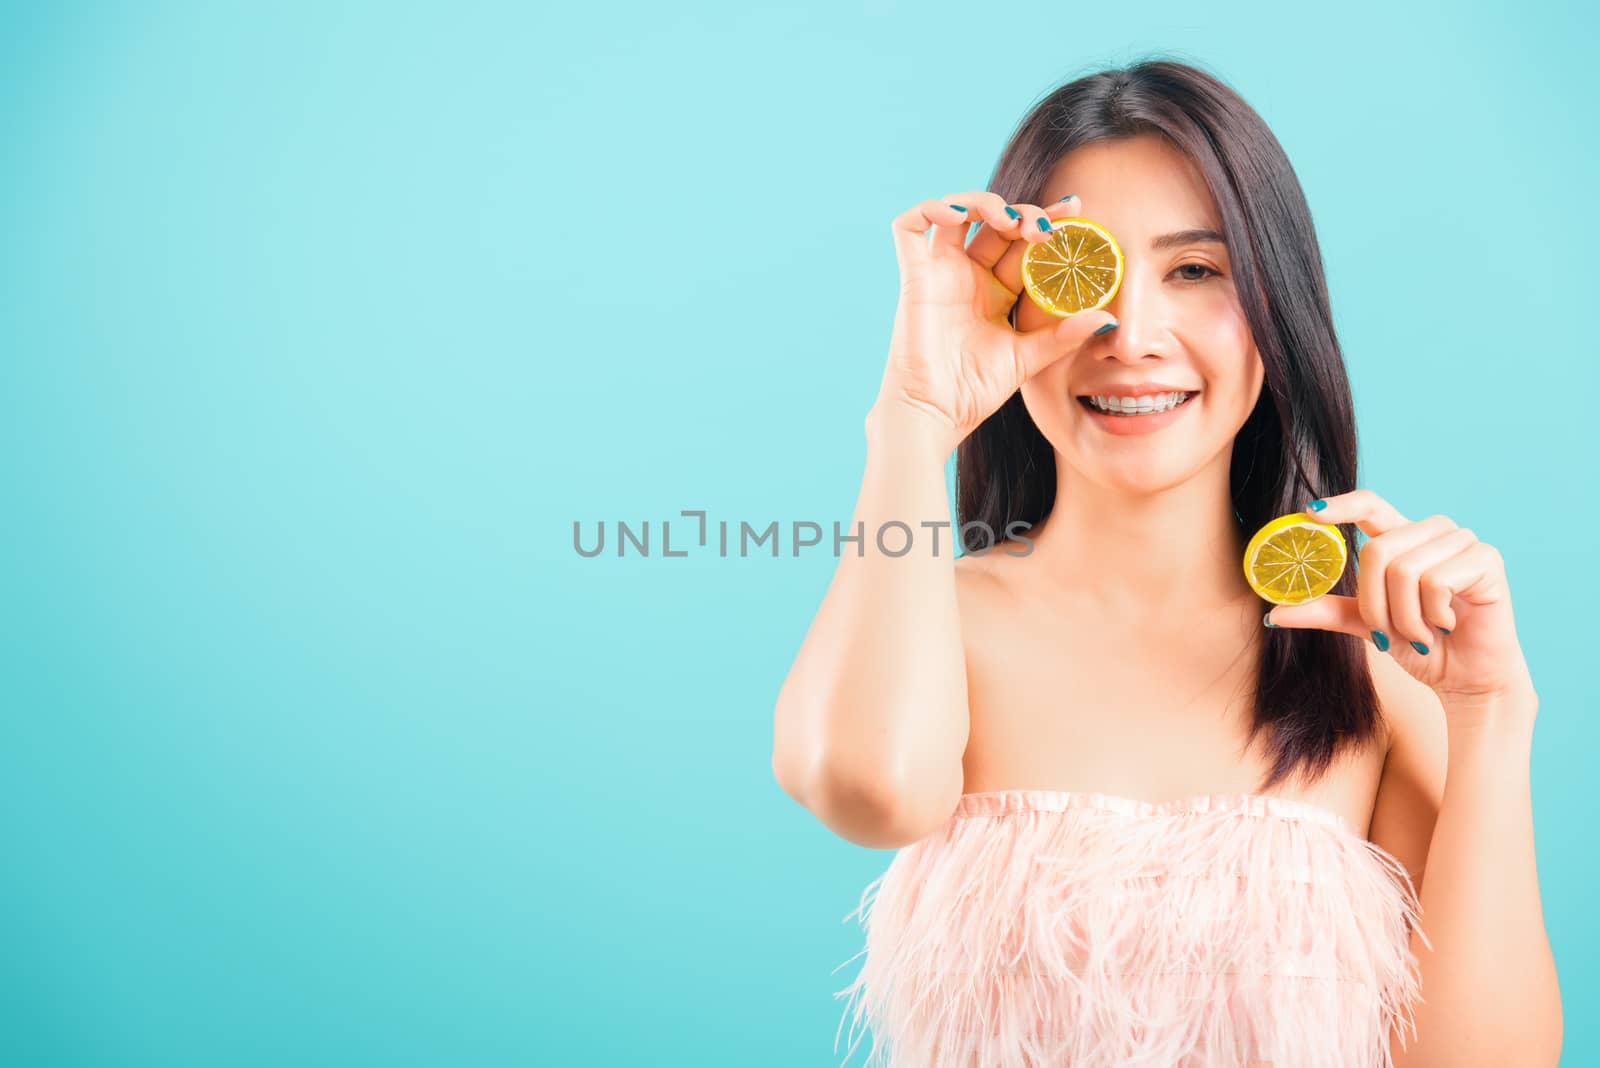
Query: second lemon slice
[[1077, 270], [1294, 559]]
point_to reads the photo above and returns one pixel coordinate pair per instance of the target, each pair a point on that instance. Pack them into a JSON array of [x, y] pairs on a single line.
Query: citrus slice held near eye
[[1077, 270], [1294, 559]]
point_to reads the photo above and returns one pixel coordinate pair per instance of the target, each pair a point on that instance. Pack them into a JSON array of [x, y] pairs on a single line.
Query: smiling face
[[1181, 324]]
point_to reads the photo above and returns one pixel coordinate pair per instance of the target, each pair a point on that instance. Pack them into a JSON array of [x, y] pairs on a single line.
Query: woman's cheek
[[1223, 320]]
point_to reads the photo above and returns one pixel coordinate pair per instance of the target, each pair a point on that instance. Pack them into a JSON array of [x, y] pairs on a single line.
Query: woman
[[1138, 822]]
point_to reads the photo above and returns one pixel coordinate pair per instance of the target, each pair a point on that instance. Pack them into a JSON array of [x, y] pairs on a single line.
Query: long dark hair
[[1314, 694]]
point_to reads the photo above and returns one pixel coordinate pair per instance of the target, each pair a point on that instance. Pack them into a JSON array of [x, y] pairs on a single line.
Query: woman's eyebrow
[[1193, 236]]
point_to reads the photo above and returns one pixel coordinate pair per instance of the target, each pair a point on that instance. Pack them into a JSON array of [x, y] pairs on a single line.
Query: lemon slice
[[1294, 559], [1077, 270]]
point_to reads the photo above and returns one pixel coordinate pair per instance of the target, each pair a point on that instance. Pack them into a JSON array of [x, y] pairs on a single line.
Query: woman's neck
[[1172, 553]]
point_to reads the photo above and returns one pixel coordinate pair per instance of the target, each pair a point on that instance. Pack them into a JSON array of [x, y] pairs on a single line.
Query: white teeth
[[1159, 402]]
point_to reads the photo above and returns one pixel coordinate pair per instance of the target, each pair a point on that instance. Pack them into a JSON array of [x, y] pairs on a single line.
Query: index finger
[[1364, 508], [998, 234]]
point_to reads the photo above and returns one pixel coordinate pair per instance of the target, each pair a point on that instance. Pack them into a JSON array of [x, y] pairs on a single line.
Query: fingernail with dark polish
[[1069, 196], [1044, 224], [1013, 212], [1443, 631], [1108, 326], [1419, 647], [1267, 619], [958, 207], [1381, 640], [1317, 505]]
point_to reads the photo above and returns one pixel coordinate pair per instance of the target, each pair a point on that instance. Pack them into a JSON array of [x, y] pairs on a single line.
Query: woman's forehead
[[1142, 189]]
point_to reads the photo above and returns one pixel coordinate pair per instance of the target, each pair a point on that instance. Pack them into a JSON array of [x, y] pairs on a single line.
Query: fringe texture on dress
[[1059, 929]]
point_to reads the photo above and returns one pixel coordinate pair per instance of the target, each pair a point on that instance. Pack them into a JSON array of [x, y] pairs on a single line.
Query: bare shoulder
[[985, 580], [1411, 786], [978, 590], [972, 567], [989, 603], [998, 563]]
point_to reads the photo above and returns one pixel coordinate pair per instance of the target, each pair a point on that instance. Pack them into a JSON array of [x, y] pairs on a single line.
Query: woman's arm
[[871, 722], [1489, 993]]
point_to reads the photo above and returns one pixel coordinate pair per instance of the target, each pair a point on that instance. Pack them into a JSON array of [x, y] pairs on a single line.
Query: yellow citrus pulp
[[1294, 559], [1077, 270]]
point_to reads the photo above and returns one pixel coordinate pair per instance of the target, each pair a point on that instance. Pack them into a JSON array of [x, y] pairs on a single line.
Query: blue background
[[319, 328]]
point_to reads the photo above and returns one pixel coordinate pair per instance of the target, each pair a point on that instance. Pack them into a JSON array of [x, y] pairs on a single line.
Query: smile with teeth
[[1135, 406]]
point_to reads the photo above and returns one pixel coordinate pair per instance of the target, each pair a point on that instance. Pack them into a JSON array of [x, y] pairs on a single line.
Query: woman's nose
[[1139, 315]]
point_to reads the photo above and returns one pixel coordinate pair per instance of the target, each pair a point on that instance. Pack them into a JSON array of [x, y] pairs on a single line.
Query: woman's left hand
[[1429, 583]]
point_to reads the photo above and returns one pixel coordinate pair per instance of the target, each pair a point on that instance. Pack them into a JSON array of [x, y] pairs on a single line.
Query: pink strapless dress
[[1058, 929]]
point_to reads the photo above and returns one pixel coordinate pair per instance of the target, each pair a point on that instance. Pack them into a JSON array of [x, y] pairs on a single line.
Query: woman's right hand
[[953, 356]]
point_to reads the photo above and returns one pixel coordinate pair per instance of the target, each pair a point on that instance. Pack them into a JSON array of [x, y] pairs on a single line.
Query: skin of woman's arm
[[1454, 805], [871, 722]]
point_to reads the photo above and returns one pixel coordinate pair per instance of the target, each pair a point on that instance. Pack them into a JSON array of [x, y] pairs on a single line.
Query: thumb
[[1045, 345], [1331, 611]]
